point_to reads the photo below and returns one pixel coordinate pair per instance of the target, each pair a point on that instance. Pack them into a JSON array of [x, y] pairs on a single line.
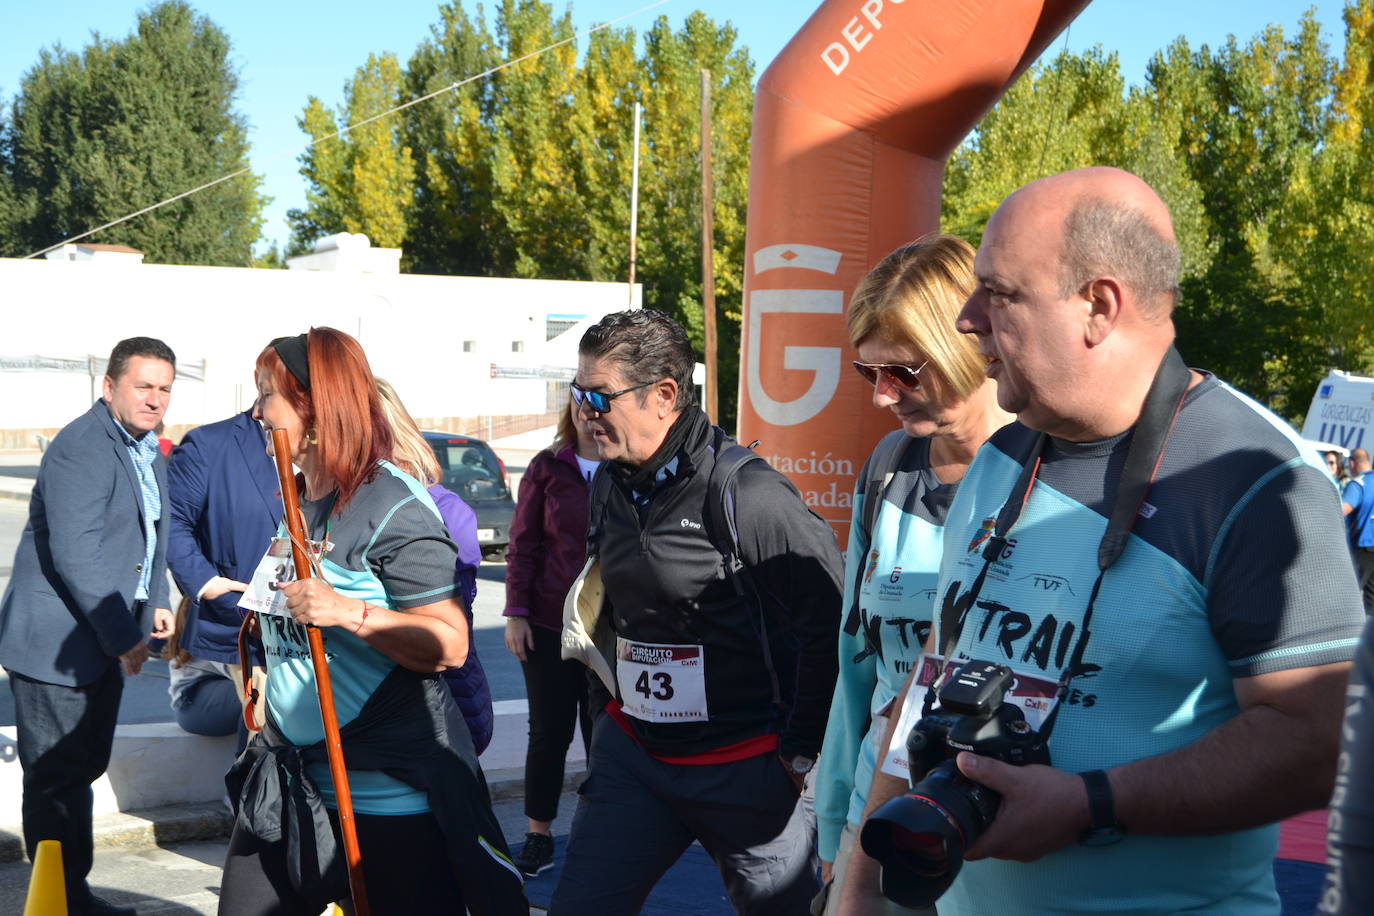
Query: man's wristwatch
[[1104, 830], [799, 765]]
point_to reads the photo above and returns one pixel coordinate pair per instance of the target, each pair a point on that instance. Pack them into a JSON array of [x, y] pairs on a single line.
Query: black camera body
[[973, 717], [920, 838]]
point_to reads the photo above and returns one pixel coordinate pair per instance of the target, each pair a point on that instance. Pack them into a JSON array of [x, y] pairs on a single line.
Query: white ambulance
[[1342, 412]]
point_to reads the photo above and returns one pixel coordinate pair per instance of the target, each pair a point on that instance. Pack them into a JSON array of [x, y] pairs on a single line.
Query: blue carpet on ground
[[1300, 883], [692, 887]]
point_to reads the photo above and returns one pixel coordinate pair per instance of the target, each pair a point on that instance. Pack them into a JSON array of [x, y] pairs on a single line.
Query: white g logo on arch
[[822, 362]]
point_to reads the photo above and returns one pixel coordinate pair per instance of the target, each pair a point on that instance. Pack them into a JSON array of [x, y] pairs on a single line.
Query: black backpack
[[720, 500], [720, 524]]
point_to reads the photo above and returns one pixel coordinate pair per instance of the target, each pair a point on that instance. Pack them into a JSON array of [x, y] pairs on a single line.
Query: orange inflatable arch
[[852, 126]]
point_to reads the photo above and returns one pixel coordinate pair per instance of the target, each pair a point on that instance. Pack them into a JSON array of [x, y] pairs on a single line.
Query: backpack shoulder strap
[[597, 497], [721, 508], [886, 458], [720, 496], [882, 465]]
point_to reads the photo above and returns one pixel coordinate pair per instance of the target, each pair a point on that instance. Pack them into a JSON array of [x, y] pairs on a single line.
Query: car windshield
[[470, 469]]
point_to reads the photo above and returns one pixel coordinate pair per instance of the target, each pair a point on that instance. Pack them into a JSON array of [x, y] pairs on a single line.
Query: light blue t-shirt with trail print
[[1235, 567], [388, 548], [890, 578]]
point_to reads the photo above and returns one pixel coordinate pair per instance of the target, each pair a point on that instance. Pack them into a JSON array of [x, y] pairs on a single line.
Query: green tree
[[1324, 232], [1248, 119], [602, 138], [272, 258], [527, 172], [128, 123], [670, 180], [9, 204], [533, 183], [451, 225], [1069, 113], [364, 180], [1261, 150]]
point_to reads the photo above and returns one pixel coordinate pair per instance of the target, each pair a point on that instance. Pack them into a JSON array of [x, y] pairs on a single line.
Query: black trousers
[[405, 867], [65, 737], [557, 692], [637, 815]]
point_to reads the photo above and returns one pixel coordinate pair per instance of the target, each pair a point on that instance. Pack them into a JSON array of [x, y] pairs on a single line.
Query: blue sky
[[288, 50]]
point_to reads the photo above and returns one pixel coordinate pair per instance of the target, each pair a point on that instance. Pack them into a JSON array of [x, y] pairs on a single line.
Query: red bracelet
[[361, 622]]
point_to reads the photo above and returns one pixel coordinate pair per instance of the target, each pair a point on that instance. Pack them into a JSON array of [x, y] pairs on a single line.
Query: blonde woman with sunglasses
[[932, 378]]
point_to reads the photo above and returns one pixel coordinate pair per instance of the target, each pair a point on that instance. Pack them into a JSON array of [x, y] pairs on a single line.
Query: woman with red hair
[[386, 601]]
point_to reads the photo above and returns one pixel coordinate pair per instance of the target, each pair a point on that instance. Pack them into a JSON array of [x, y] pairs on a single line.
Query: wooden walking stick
[[281, 451]]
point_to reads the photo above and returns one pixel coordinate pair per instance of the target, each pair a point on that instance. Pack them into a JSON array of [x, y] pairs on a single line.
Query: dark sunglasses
[[898, 374], [600, 401]]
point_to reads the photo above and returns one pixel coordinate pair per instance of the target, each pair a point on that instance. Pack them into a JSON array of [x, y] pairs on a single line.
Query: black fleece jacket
[[665, 584]]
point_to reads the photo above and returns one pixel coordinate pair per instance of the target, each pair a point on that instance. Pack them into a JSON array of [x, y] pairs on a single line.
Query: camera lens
[[920, 838], [923, 853]]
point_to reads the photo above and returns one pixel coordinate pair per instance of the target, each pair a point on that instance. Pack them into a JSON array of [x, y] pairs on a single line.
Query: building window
[[469, 346], [517, 346], [558, 324]]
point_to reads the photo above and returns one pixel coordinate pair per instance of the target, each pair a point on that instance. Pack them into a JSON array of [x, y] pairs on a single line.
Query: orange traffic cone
[[47, 886]]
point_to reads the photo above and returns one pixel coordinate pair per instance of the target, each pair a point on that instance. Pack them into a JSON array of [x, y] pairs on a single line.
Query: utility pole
[[708, 266], [634, 207]]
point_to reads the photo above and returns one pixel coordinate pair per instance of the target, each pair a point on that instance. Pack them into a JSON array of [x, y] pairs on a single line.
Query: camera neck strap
[[1143, 458]]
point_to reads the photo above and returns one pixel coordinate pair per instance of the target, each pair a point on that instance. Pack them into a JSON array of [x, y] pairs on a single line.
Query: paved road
[[184, 879]]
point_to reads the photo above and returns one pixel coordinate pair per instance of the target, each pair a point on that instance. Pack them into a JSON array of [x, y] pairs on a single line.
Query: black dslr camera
[[920, 838]]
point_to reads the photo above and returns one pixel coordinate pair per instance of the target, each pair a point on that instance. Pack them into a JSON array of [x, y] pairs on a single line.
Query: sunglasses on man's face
[[600, 401], [897, 373]]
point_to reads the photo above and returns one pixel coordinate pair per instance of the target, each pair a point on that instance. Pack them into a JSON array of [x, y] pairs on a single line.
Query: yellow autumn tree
[[362, 181]]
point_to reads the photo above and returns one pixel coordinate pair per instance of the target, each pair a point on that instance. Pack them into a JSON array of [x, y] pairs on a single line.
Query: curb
[[147, 827], [16, 488], [140, 829], [509, 783]]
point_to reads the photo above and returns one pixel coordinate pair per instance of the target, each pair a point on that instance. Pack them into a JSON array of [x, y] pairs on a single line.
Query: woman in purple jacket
[[412, 454], [548, 545]]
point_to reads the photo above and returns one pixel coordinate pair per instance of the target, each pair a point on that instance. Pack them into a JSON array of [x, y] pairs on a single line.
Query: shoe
[[537, 856], [98, 907]]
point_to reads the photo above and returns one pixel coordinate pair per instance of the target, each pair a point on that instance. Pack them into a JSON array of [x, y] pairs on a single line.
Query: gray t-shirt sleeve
[[413, 556], [1281, 587]]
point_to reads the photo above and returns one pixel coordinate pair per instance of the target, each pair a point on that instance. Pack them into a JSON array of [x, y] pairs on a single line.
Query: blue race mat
[[1300, 884], [692, 887]]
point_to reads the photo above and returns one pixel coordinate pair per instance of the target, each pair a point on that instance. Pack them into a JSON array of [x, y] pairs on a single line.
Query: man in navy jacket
[[89, 573], [225, 506]]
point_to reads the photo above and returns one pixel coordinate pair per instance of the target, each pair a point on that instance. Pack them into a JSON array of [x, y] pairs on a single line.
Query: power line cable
[[1054, 106], [339, 133]]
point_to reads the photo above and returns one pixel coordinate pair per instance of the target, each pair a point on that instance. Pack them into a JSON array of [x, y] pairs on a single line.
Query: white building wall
[[412, 327]]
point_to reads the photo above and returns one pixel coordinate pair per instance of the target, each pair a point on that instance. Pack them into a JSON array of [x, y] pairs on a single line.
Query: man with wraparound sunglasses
[[714, 680]]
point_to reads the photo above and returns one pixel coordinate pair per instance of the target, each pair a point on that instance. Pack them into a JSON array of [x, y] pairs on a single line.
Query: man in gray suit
[[91, 565]]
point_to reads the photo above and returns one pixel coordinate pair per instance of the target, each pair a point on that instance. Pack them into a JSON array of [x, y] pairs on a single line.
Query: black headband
[[295, 355]]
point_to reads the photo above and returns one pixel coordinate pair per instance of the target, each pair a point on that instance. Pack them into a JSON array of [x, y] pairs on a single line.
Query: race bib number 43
[[661, 683]]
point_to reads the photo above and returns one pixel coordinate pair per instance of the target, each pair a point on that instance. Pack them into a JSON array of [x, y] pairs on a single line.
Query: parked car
[[475, 472]]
